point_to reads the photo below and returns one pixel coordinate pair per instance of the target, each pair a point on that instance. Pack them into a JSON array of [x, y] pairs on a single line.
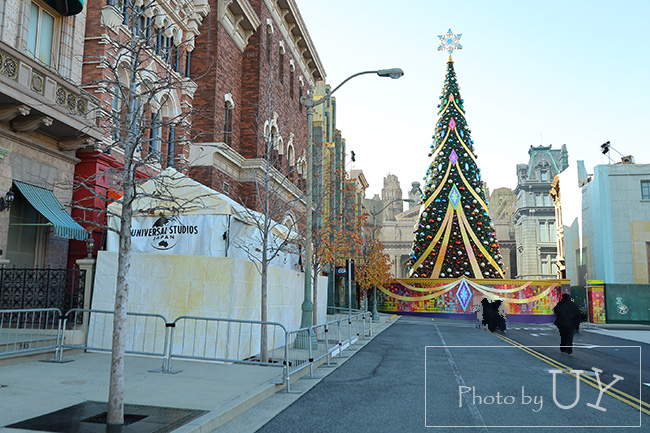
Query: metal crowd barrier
[[307, 346], [147, 334], [187, 337], [226, 340], [30, 330]]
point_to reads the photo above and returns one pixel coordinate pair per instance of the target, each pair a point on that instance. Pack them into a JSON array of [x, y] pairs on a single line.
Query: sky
[[531, 73]]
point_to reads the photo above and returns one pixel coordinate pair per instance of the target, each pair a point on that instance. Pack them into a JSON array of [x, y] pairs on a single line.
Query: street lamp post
[[308, 101], [375, 313]]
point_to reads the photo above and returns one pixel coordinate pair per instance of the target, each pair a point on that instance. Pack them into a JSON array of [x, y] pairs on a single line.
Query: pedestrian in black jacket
[[566, 312]]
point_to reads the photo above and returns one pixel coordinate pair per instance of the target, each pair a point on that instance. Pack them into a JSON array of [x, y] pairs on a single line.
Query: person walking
[[485, 313], [566, 311], [501, 316], [478, 309]]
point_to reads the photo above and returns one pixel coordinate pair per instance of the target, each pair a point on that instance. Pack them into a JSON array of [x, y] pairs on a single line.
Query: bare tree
[[141, 110], [273, 209]]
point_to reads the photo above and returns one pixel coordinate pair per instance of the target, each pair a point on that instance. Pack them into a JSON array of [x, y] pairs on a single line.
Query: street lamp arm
[[392, 73], [329, 94]]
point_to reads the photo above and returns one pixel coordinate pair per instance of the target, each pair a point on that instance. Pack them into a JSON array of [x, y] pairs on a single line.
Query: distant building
[[604, 223], [391, 195], [502, 208], [396, 226], [397, 238], [534, 216]]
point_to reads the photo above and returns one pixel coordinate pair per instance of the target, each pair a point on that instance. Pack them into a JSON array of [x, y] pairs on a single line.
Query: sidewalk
[[32, 389]]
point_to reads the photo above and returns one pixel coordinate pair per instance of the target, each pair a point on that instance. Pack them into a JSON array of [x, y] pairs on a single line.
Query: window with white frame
[[546, 264], [41, 33], [546, 231]]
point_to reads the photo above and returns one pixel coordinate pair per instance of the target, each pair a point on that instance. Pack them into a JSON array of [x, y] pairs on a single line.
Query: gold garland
[[470, 252], [415, 298], [493, 290], [485, 290], [486, 254], [433, 243], [520, 301], [427, 289]]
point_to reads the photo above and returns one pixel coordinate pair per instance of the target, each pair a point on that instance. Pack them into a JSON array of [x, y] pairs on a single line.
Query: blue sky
[[531, 73]]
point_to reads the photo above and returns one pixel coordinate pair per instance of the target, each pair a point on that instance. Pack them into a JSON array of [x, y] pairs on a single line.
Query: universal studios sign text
[[164, 233]]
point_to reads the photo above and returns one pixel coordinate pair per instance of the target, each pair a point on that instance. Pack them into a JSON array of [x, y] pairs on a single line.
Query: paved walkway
[[31, 389]]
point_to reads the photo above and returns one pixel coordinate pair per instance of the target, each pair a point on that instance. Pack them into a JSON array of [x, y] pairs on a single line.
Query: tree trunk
[[264, 355], [314, 298], [116, 386]]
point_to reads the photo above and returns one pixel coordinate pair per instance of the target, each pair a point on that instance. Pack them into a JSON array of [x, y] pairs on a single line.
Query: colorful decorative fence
[[462, 296], [597, 303]]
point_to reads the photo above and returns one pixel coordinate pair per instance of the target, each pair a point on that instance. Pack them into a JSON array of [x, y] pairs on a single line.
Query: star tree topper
[[450, 42]]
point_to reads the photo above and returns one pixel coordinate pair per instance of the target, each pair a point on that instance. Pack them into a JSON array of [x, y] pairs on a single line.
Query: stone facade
[[391, 195], [501, 206], [397, 238], [44, 118], [534, 216]]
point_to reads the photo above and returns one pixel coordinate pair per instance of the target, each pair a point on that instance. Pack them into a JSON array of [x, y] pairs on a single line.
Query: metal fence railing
[[187, 337], [30, 330], [41, 288], [147, 334], [226, 340]]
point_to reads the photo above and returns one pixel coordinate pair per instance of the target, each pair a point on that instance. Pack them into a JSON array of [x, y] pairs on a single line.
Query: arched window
[[229, 106], [155, 134], [281, 63], [291, 74], [269, 39]]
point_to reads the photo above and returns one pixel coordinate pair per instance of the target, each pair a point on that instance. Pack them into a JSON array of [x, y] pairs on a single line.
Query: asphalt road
[[442, 375], [626, 358]]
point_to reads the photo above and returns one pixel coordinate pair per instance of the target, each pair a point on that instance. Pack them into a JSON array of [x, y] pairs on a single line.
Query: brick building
[[256, 62], [161, 36]]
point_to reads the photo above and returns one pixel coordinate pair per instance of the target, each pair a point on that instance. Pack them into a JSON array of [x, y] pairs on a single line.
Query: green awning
[[67, 7], [47, 204]]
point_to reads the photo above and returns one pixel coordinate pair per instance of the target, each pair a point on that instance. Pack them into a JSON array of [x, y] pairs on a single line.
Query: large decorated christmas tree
[[454, 236]]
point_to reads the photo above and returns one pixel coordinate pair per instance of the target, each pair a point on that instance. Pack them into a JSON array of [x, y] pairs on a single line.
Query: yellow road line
[[617, 394]]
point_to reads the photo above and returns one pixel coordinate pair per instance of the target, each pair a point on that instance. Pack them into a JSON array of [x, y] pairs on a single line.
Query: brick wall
[[257, 91]]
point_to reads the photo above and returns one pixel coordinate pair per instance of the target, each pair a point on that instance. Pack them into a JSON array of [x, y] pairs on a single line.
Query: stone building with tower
[[395, 224], [502, 208], [534, 214]]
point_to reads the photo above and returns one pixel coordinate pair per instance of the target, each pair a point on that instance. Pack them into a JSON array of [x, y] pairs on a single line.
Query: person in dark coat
[[492, 316], [566, 312], [500, 316], [485, 310]]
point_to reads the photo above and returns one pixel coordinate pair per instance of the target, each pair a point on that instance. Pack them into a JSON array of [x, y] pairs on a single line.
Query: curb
[[228, 411]]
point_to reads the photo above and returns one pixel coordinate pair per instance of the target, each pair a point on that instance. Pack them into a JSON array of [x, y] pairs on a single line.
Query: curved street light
[[308, 101]]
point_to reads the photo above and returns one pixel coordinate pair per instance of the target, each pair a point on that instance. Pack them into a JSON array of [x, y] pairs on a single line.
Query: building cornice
[[239, 20], [225, 159], [287, 17]]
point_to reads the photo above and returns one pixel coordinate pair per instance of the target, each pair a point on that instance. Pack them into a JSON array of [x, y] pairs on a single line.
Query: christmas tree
[[454, 236]]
